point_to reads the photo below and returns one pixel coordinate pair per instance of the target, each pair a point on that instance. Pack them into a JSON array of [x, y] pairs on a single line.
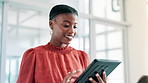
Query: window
[[26, 29], [109, 9], [107, 36], [84, 6], [109, 45]]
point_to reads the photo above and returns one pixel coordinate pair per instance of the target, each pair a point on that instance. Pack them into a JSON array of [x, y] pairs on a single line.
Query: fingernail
[[97, 74], [79, 70], [68, 80], [68, 72], [90, 78], [74, 71]]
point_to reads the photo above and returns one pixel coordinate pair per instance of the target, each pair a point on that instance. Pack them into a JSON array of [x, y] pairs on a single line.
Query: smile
[[69, 37]]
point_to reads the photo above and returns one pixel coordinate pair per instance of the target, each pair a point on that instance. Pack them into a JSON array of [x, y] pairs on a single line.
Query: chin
[[67, 43]]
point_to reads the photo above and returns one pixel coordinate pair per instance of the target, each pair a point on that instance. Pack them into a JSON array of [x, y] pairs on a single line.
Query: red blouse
[[50, 64]]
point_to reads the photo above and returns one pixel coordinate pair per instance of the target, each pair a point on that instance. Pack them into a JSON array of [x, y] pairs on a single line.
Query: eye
[[75, 27], [66, 26]]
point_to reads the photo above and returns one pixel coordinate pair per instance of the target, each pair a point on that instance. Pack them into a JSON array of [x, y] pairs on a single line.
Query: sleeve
[[27, 68], [85, 61]]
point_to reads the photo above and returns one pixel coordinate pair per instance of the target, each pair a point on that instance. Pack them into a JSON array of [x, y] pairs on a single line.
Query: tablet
[[97, 66]]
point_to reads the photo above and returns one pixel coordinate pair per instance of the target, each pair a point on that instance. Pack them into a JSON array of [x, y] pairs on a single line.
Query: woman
[[56, 62]]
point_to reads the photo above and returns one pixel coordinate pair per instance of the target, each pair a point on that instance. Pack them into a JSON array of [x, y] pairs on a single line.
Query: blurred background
[[107, 29]]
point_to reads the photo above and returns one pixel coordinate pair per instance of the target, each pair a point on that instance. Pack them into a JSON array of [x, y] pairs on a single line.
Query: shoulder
[[36, 49], [29, 53], [79, 51], [83, 57], [32, 51], [82, 52], [39, 48]]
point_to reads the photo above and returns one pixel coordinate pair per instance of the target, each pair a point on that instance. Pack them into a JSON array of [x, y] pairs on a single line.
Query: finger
[[67, 78], [79, 70], [99, 78], [71, 75], [93, 81], [68, 73], [74, 75], [104, 77], [72, 80], [76, 71]]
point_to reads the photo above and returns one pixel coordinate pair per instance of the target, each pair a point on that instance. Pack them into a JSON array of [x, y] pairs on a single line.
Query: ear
[[51, 24]]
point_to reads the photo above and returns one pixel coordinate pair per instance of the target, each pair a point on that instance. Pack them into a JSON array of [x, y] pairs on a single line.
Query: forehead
[[68, 17]]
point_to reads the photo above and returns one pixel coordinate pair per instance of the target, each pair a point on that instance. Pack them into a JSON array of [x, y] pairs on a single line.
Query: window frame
[[124, 25], [3, 41]]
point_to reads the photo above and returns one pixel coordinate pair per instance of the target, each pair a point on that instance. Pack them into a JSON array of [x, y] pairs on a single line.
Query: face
[[64, 29]]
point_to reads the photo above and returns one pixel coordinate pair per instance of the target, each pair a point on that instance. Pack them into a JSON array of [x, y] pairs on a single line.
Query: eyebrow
[[68, 21]]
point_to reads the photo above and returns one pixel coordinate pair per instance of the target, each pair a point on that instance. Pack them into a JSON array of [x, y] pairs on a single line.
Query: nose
[[71, 30]]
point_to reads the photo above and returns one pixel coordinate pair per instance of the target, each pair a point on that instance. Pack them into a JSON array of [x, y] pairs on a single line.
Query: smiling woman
[[52, 62], [55, 62]]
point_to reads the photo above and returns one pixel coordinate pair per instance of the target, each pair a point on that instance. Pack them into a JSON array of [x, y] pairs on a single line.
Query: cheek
[[57, 32], [58, 29], [75, 33]]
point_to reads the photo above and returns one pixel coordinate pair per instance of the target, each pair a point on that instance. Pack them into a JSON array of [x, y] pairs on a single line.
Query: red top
[[50, 64]]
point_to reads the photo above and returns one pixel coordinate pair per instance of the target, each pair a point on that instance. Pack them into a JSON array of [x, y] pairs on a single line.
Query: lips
[[70, 37]]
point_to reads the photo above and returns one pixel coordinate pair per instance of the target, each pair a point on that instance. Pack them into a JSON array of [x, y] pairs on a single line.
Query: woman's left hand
[[71, 77], [100, 80]]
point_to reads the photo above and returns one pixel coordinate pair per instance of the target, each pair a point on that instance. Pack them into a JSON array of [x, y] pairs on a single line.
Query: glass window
[[84, 6], [114, 39], [101, 28], [109, 46], [100, 42], [101, 55], [115, 54], [26, 29], [107, 9]]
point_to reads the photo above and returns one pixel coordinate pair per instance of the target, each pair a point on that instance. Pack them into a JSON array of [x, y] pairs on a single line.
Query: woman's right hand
[[71, 77], [100, 80]]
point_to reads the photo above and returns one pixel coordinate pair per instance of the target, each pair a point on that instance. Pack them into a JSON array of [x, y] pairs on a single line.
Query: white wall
[[135, 11]]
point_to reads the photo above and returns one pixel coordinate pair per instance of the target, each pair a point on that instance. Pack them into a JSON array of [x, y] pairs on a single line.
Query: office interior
[[107, 29]]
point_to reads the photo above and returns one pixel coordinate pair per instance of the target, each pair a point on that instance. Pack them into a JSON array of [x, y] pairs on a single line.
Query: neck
[[58, 44]]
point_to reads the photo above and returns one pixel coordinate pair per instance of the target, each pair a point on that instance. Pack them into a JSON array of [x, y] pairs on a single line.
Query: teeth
[[70, 37]]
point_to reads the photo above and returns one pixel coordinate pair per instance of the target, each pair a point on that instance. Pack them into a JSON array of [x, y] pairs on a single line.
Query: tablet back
[[97, 66]]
